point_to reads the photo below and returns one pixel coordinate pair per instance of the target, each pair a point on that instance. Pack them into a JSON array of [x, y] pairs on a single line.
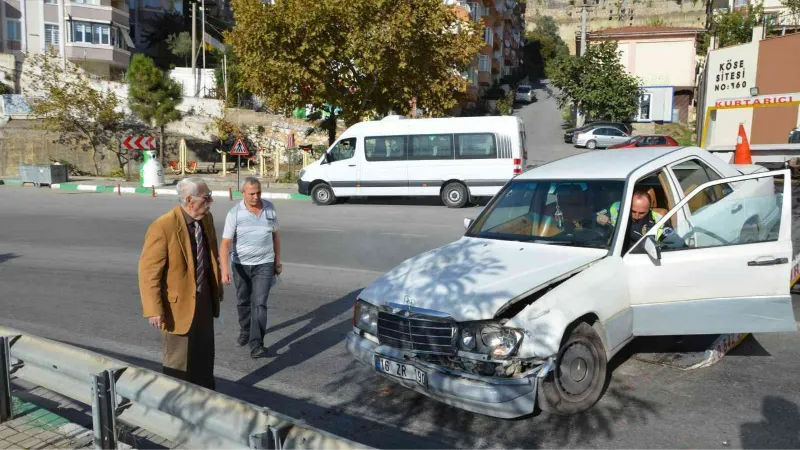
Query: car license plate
[[405, 371]]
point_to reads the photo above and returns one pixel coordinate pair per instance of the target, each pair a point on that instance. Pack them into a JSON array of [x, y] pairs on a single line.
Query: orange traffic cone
[[742, 155]]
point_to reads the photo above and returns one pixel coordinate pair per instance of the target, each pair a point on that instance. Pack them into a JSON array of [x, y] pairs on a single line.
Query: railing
[[185, 414]]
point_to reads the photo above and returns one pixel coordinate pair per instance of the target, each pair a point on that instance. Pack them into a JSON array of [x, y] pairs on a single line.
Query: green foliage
[[792, 11], [732, 27], [6, 89], [366, 57], [70, 105], [180, 44], [152, 95], [156, 36], [542, 46], [505, 106], [656, 22], [116, 173], [234, 73], [597, 83]]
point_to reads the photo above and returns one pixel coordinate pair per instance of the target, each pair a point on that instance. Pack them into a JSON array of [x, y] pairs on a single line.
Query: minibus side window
[[476, 146]]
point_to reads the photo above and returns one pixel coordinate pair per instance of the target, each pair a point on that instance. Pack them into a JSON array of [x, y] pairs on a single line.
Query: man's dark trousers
[[252, 290]]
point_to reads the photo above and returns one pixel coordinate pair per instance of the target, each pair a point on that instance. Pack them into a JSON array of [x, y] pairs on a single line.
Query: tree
[[596, 83], [153, 96], [365, 57], [156, 33], [234, 74], [180, 44], [732, 27], [542, 46], [792, 11], [68, 103]]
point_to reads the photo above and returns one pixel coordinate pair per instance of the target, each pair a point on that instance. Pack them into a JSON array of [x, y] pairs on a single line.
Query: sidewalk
[[34, 428], [220, 186]]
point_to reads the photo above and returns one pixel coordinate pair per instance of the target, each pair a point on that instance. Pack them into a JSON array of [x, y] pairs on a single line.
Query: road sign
[[239, 149], [139, 143]]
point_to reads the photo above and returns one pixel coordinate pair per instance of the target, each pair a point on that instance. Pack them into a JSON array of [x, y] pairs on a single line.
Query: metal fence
[[185, 414]]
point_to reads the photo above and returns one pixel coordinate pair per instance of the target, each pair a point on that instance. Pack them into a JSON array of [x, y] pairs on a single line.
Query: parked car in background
[[648, 141], [625, 127], [599, 137], [525, 93]]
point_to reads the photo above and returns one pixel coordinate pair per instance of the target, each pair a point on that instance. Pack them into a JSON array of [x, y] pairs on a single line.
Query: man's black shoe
[[259, 352], [243, 340]]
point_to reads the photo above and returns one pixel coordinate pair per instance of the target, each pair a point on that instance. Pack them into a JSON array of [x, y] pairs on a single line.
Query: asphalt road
[[68, 271]]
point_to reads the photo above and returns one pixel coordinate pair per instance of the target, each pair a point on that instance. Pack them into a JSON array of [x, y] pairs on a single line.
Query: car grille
[[423, 335]]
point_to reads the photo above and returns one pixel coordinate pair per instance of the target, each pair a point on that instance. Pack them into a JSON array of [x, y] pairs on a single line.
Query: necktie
[[200, 265]]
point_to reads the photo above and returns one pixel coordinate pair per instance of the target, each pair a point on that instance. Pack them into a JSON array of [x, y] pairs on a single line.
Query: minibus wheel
[[322, 195], [454, 195]]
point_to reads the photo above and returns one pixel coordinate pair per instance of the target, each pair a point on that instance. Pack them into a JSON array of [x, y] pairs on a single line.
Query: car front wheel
[[322, 195], [578, 379]]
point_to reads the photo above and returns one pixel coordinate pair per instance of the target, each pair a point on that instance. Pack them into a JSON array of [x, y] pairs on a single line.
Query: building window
[[91, 33], [488, 36], [740, 3], [644, 107], [484, 65], [13, 30], [52, 35], [101, 34]]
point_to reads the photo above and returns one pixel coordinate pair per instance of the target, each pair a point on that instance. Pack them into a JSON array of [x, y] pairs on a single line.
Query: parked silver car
[[599, 137], [525, 93]]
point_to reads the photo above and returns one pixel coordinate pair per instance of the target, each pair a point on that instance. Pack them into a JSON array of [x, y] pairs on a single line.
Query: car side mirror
[[467, 223], [651, 248], [328, 158]]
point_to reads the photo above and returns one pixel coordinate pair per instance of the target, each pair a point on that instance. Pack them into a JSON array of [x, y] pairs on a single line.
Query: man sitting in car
[[643, 218]]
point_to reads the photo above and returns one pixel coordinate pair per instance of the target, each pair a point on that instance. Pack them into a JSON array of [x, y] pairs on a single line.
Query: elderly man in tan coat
[[180, 284]]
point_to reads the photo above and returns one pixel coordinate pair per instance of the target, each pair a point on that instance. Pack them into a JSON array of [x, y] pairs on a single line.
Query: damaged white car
[[530, 305]]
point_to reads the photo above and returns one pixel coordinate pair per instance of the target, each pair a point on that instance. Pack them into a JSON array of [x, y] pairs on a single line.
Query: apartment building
[[503, 36], [93, 34]]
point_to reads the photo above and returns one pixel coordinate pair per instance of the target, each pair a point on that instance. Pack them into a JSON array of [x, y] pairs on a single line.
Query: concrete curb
[[169, 192]]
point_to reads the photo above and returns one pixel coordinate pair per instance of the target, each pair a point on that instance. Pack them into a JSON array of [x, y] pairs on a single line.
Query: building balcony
[[99, 13], [485, 78], [103, 54]]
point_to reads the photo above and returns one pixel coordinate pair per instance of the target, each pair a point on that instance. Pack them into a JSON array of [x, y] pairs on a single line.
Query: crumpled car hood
[[470, 279]]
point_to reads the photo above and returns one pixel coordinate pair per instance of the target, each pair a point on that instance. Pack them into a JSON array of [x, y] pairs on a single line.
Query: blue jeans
[[252, 290]]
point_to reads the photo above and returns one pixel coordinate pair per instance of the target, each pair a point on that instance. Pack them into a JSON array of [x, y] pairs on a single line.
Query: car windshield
[[523, 89], [558, 212]]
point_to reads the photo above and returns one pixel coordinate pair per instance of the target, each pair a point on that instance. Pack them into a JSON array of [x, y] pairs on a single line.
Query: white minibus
[[454, 158]]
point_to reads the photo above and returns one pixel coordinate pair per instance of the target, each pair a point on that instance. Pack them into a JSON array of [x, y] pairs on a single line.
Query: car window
[[659, 140], [385, 148], [523, 90], [600, 132], [344, 149], [431, 146], [694, 172], [476, 146], [752, 215], [562, 212], [615, 132]]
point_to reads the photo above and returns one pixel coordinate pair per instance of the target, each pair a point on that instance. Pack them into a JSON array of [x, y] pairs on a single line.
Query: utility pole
[[579, 119], [194, 46]]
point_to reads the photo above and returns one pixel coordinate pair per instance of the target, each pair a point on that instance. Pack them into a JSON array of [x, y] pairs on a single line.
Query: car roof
[[402, 126], [615, 164]]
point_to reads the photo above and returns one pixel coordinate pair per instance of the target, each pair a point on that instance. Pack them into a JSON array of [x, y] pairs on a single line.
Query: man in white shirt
[[251, 242]]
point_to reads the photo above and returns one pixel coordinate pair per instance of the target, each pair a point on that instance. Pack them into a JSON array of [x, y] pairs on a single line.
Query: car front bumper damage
[[494, 396]]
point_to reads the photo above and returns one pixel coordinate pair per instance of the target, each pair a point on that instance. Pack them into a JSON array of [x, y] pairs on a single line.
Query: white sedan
[[529, 306]]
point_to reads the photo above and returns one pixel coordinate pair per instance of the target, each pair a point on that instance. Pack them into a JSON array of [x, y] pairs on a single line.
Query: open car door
[[720, 264]]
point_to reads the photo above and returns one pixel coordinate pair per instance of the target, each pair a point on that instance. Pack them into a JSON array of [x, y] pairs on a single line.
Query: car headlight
[[500, 341], [365, 317], [489, 338]]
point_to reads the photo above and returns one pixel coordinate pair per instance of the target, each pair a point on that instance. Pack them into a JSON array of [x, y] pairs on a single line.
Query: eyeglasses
[[206, 197]]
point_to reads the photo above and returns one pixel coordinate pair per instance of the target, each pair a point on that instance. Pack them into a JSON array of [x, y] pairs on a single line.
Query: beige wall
[[100, 13], [659, 62], [51, 14]]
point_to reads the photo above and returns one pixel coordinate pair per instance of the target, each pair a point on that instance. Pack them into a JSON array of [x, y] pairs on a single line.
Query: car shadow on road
[[410, 201], [7, 257]]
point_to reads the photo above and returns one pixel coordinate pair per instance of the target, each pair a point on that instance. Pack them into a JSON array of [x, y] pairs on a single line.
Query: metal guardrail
[[183, 413]]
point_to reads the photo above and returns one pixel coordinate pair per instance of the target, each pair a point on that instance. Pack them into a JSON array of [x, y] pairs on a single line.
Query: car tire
[[578, 380], [455, 195], [322, 195], [591, 145]]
